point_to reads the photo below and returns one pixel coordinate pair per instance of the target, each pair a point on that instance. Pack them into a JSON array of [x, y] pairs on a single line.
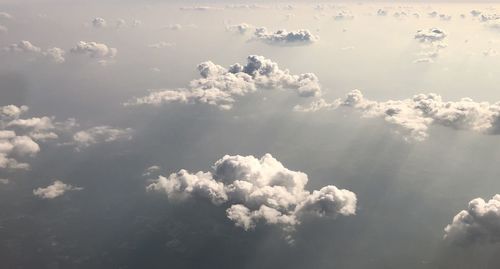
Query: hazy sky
[[161, 134]]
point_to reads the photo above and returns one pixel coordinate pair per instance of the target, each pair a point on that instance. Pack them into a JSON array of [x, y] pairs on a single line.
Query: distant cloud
[[23, 46], [432, 42], [53, 54], [58, 188], [95, 50], [283, 37], [414, 116], [199, 8], [5, 15], [430, 35], [279, 37], [479, 223], [343, 15], [219, 86], [100, 134], [161, 45], [258, 191], [177, 26], [241, 28], [99, 22]]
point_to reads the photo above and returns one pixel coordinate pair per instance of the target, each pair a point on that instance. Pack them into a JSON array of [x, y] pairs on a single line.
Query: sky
[[221, 134]]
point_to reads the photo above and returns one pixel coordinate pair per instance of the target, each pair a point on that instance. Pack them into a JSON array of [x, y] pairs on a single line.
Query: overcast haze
[[162, 134]]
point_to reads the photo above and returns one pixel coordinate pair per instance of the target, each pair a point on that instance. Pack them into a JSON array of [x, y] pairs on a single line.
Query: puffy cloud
[[58, 188], [283, 37], [241, 28], [258, 191], [38, 128], [479, 223], [11, 112], [100, 134], [23, 46], [432, 42], [430, 35], [414, 116], [95, 50], [219, 86], [381, 12], [12, 144], [475, 12], [99, 22], [53, 54]]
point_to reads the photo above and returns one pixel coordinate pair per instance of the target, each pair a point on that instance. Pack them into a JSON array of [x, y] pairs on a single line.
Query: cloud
[[20, 143], [23, 46], [161, 45], [241, 28], [95, 50], [20, 146], [381, 12], [58, 188], [3, 29], [53, 54], [220, 87], [99, 22], [283, 37], [100, 134], [5, 15], [479, 223], [258, 191], [430, 35], [432, 42], [343, 15], [199, 8], [414, 116]]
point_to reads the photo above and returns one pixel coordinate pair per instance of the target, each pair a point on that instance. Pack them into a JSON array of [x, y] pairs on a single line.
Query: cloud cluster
[[19, 137], [219, 86], [414, 116], [258, 191], [479, 223], [284, 37], [53, 54], [100, 134], [56, 189]]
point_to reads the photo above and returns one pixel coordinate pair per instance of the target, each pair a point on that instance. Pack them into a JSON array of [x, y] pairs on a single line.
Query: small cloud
[[58, 188]]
